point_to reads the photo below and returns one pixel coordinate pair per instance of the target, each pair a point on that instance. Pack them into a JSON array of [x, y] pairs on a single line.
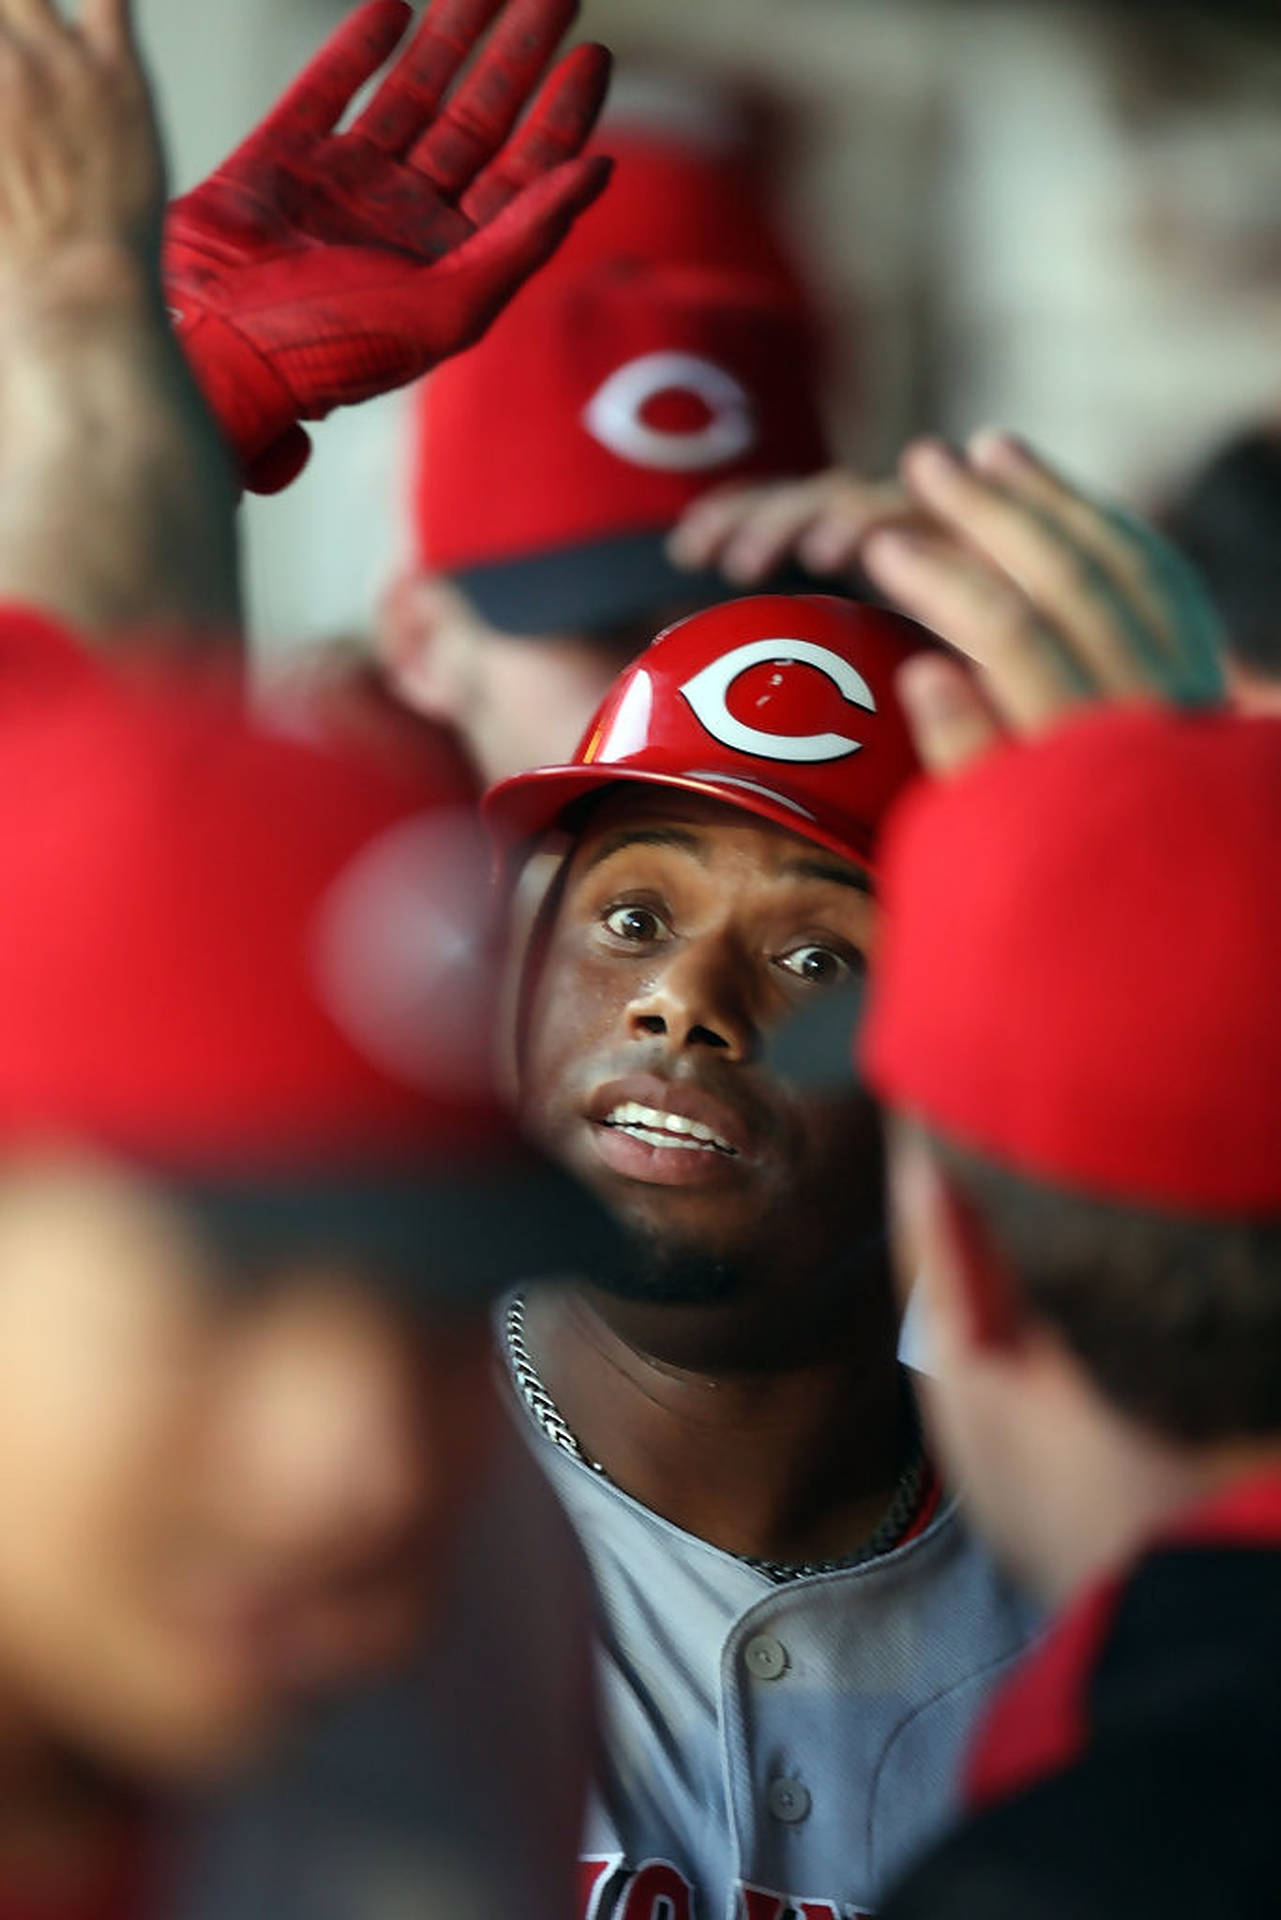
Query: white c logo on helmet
[[613, 414], [708, 689]]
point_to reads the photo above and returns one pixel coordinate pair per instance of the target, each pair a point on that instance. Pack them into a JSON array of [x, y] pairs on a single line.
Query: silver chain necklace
[[887, 1535]]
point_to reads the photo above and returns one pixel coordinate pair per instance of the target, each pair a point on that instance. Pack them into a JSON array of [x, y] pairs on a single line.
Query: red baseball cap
[[260, 970], [781, 705], [1077, 970], [667, 348]]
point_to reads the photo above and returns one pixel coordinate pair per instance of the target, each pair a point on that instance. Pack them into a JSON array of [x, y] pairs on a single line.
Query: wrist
[[89, 285], [252, 405]]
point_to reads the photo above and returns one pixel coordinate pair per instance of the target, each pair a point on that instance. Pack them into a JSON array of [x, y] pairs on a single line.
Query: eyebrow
[[838, 875], [803, 868], [679, 837]]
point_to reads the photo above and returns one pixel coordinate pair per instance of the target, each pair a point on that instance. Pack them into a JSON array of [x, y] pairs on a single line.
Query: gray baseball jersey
[[773, 1752]]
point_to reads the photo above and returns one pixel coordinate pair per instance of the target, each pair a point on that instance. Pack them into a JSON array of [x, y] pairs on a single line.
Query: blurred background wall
[[1063, 218]]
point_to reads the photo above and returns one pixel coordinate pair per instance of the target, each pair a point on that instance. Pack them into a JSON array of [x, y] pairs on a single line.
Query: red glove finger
[[323, 90], [411, 93], [489, 102], [282, 462], [486, 272], [559, 124]]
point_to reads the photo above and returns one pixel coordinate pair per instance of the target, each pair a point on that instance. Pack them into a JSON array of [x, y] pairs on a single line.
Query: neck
[[786, 1450], [1126, 1485]]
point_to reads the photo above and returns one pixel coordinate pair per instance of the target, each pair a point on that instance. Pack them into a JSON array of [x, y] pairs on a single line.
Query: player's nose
[[700, 999]]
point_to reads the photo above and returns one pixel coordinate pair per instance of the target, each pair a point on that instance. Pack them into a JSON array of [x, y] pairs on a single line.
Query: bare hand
[[1058, 599], [81, 172], [821, 521], [129, 525]]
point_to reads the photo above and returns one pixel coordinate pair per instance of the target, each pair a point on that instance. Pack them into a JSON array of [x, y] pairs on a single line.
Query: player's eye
[[816, 965], [631, 921]]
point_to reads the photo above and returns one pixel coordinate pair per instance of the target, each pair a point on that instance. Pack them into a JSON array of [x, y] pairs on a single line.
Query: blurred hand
[[81, 173], [821, 521], [116, 503], [318, 268], [1060, 600]]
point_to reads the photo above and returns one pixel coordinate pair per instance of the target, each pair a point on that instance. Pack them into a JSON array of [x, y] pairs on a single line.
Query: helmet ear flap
[[531, 910]]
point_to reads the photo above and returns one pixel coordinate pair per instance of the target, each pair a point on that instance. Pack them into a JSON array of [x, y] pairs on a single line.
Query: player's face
[[517, 700], [686, 931], [215, 1503], [530, 698], [978, 1397]]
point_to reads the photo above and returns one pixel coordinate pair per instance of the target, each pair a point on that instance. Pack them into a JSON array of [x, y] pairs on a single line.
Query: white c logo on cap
[[613, 414], [708, 689]]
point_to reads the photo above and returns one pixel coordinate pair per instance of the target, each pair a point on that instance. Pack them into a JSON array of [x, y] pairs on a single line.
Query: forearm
[[116, 496]]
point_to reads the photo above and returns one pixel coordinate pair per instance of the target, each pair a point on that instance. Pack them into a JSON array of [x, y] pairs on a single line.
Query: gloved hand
[[315, 269]]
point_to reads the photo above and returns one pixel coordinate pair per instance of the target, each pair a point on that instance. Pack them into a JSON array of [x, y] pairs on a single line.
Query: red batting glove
[[315, 269]]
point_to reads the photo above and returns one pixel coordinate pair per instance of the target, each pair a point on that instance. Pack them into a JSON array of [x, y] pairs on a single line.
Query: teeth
[[659, 1129]]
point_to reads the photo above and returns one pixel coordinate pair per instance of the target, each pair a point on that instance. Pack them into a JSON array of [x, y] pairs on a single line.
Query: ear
[[423, 643], [989, 1291], [944, 1247]]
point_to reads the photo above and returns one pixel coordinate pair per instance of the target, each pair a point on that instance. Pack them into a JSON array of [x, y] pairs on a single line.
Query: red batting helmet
[[781, 705]]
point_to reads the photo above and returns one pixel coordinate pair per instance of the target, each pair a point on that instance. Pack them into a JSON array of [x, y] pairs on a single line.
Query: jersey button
[[765, 1657], [788, 1800]]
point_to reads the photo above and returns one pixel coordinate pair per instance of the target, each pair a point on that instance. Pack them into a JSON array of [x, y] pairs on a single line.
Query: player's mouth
[[665, 1135]]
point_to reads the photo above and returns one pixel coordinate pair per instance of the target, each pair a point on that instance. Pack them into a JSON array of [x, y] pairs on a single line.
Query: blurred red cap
[[240, 960], [1077, 970], [185, 974], [666, 348]]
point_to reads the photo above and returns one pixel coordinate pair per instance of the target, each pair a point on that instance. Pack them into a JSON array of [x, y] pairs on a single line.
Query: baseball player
[[1085, 1177], [246, 1132], [795, 1628], [246, 1140], [667, 348]]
